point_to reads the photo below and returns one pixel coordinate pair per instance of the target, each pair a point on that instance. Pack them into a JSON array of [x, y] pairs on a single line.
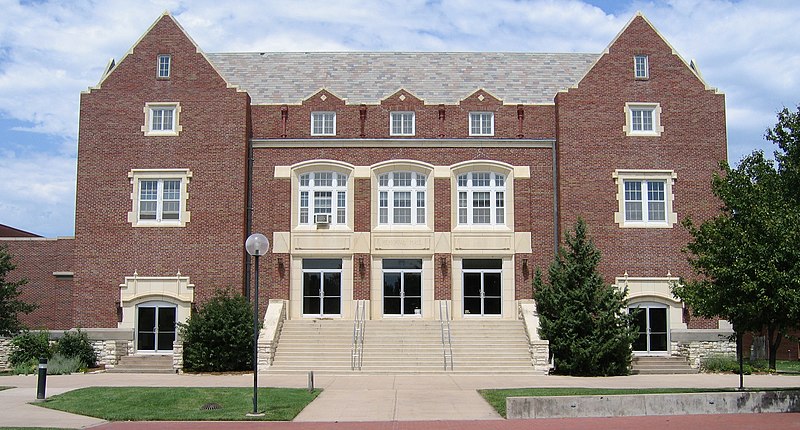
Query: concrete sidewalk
[[352, 397]]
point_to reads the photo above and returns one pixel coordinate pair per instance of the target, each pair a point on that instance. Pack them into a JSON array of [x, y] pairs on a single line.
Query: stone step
[[143, 364], [661, 366]]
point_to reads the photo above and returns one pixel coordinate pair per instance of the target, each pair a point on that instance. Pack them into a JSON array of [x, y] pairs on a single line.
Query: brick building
[[409, 182]]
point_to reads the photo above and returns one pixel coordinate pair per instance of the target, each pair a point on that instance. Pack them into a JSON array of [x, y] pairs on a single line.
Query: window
[[483, 287], [159, 197], [323, 198], [164, 64], [643, 119], [641, 68], [323, 123], [161, 119], [645, 198], [481, 124], [402, 287], [481, 198], [402, 124], [401, 198], [322, 287]]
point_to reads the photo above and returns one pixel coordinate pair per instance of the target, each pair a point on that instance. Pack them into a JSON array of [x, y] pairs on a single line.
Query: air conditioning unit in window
[[322, 218]]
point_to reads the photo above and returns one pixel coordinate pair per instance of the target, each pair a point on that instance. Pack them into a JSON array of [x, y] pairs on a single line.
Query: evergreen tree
[[584, 319], [10, 305]]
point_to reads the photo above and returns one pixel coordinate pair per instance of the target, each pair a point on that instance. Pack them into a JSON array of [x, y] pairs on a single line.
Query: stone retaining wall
[[696, 345], [652, 404], [5, 352]]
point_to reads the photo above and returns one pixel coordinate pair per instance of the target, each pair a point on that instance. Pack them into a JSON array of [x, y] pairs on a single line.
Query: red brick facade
[[562, 154]]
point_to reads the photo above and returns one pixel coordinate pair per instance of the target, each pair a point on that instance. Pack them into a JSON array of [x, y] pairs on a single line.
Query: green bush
[[724, 363], [26, 368], [29, 346], [76, 344], [63, 365], [219, 337]]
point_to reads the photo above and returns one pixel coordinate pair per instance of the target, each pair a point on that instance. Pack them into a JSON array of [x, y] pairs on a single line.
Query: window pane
[[304, 180], [402, 179], [480, 263], [383, 203], [421, 179], [341, 207], [656, 211], [633, 190], [402, 263], [647, 120], [420, 207], [633, 211], [462, 180], [322, 263], [636, 120], [322, 202], [323, 179], [383, 180], [163, 66], [481, 179]]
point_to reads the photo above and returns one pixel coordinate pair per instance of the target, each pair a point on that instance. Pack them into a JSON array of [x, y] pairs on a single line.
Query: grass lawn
[[497, 398], [788, 366], [181, 403]]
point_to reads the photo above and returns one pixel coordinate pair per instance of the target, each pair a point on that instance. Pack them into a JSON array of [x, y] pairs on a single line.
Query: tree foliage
[[584, 319], [76, 344], [219, 337], [747, 257], [10, 305]]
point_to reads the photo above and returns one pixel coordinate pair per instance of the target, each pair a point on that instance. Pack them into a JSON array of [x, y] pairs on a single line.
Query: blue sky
[[50, 51]]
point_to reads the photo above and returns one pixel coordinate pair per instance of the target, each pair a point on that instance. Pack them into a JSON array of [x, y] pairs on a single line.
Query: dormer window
[[164, 66], [641, 67], [323, 123], [481, 124]]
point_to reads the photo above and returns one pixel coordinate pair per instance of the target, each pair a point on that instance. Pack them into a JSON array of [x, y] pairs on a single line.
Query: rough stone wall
[[5, 352], [696, 351]]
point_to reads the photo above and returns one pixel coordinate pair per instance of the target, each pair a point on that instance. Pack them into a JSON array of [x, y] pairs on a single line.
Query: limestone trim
[[135, 290], [295, 304], [429, 310], [655, 111], [387, 167], [508, 300], [667, 176], [654, 290], [402, 143], [151, 107], [138, 175], [493, 166], [322, 165]]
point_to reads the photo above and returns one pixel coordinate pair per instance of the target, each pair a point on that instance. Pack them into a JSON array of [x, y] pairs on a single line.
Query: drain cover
[[211, 406]]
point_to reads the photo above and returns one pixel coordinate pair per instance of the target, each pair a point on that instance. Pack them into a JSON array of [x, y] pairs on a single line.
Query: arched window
[[402, 198], [323, 198], [481, 198]]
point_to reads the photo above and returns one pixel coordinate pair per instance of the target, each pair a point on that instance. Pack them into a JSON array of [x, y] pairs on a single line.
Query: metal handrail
[[447, 344], [357, 354]]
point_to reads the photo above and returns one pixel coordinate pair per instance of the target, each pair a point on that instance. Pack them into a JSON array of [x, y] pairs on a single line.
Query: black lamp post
[[256, 245]]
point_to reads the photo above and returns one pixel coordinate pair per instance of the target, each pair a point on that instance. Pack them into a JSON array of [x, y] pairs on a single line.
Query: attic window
[[641, 67], [164, 66]]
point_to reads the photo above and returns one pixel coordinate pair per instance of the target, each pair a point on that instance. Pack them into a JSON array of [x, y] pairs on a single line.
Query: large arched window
[[323, 198], [402, 198], [481, 198]]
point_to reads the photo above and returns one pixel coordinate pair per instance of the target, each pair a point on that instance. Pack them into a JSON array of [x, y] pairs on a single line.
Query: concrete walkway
[[351, 397]]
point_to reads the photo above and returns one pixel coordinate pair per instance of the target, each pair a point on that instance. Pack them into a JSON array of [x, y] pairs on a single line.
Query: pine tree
[[10, 305], [584, 319]]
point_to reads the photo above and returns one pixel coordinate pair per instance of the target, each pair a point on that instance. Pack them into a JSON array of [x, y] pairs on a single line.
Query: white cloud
[[50, 51]]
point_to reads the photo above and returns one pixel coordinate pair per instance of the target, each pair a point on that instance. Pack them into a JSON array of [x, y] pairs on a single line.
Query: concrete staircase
[[408, 346], [660, 366], [143, 364]]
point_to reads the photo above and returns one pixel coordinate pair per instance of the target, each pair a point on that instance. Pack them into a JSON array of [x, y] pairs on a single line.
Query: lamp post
[[256, 245]]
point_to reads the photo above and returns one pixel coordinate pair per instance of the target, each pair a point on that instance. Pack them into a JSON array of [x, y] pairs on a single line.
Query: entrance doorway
[[322, 287], [155, 327], [483, 286], [402, 287], [651, 322]]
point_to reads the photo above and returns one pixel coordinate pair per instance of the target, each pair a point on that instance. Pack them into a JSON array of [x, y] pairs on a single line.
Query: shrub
[[723, 363], [585, 319], [29, 346], [76, 344], [26, 368], [219, 337], [60, 364]]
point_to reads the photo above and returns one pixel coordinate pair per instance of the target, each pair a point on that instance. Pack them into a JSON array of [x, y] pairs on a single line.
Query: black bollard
[[42, 379], [310, 381]]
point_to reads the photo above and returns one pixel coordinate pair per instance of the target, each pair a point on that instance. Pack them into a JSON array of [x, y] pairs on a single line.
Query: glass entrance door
[[651, 322], [322, 287], [155, 327], [483, 286], [402, 287]]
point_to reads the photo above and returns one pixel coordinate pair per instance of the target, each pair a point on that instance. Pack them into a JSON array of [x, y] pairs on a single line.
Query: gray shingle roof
[[368, 77]]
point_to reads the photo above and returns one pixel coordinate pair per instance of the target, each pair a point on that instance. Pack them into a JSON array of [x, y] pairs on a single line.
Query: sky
[[50, 51]]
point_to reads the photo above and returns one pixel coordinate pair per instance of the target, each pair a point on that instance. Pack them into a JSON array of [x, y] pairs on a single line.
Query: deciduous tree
[[10, 304]]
